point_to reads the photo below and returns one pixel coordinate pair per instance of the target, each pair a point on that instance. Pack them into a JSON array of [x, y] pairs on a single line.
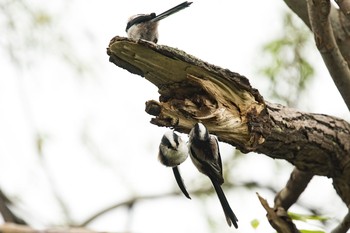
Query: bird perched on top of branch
[[145, 26]]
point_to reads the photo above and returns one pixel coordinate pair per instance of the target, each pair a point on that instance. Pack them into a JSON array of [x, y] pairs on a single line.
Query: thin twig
[[127, 203], [14, 228], [278, 218]]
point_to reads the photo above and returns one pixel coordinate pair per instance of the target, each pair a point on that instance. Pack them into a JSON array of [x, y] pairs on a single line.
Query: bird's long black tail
[[230, 216], [171, 11], [179, 181]]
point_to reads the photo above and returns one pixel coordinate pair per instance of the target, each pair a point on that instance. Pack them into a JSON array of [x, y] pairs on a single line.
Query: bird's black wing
[[206, 160], [216, 152]]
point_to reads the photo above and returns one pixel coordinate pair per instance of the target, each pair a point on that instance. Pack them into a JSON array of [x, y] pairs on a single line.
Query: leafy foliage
[[287, 67], [305, 218], [310, 231], [33, 29]]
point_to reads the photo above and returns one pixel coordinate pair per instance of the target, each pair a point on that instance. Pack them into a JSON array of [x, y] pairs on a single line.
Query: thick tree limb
[[192, 90], [332, 34]]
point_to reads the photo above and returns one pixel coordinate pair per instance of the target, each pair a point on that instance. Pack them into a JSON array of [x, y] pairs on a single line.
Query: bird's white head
[[200, 131], [172, 149], [171, 139], [145, 26]]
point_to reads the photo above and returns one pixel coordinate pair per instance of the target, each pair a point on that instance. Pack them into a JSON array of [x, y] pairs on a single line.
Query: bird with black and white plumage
[[172, 152], [205, 155], [145, 26]]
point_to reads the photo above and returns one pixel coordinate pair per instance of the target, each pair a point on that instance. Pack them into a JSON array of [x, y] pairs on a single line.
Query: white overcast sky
[[107, 107]]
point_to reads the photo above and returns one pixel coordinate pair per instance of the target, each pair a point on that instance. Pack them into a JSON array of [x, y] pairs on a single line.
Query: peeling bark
[[192, 90]]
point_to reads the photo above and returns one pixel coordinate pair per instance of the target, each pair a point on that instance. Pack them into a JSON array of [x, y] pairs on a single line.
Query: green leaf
[[42, 18], [255, 223], [305, 217], [310, 231]]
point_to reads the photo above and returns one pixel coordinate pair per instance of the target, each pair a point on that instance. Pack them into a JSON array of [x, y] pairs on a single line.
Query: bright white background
[[98, 145]]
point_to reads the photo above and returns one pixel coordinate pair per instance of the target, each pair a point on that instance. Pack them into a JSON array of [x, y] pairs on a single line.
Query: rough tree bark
[[192, 90]]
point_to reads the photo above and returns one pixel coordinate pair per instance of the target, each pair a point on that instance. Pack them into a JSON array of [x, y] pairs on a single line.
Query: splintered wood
[[191, 90]]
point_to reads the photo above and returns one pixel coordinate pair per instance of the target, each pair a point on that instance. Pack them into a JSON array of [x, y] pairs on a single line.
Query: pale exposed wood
[[192, 90]]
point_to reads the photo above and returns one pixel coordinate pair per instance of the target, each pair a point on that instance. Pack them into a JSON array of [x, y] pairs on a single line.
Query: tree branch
[[202, 190], [6, 212], [344, 226], [14, 228], [340, 24], [295, 186], [127, 203], [341, 36], [300, 9], [192, 90], [338, 68], [344, 6], [278, 218]]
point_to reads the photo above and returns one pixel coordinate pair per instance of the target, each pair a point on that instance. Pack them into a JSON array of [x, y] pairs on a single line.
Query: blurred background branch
[[66, 151], [7, 213]]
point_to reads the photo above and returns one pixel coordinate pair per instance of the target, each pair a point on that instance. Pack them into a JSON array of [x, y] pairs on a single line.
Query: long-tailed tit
[[172, 152], [205, 154], [145, 26]]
